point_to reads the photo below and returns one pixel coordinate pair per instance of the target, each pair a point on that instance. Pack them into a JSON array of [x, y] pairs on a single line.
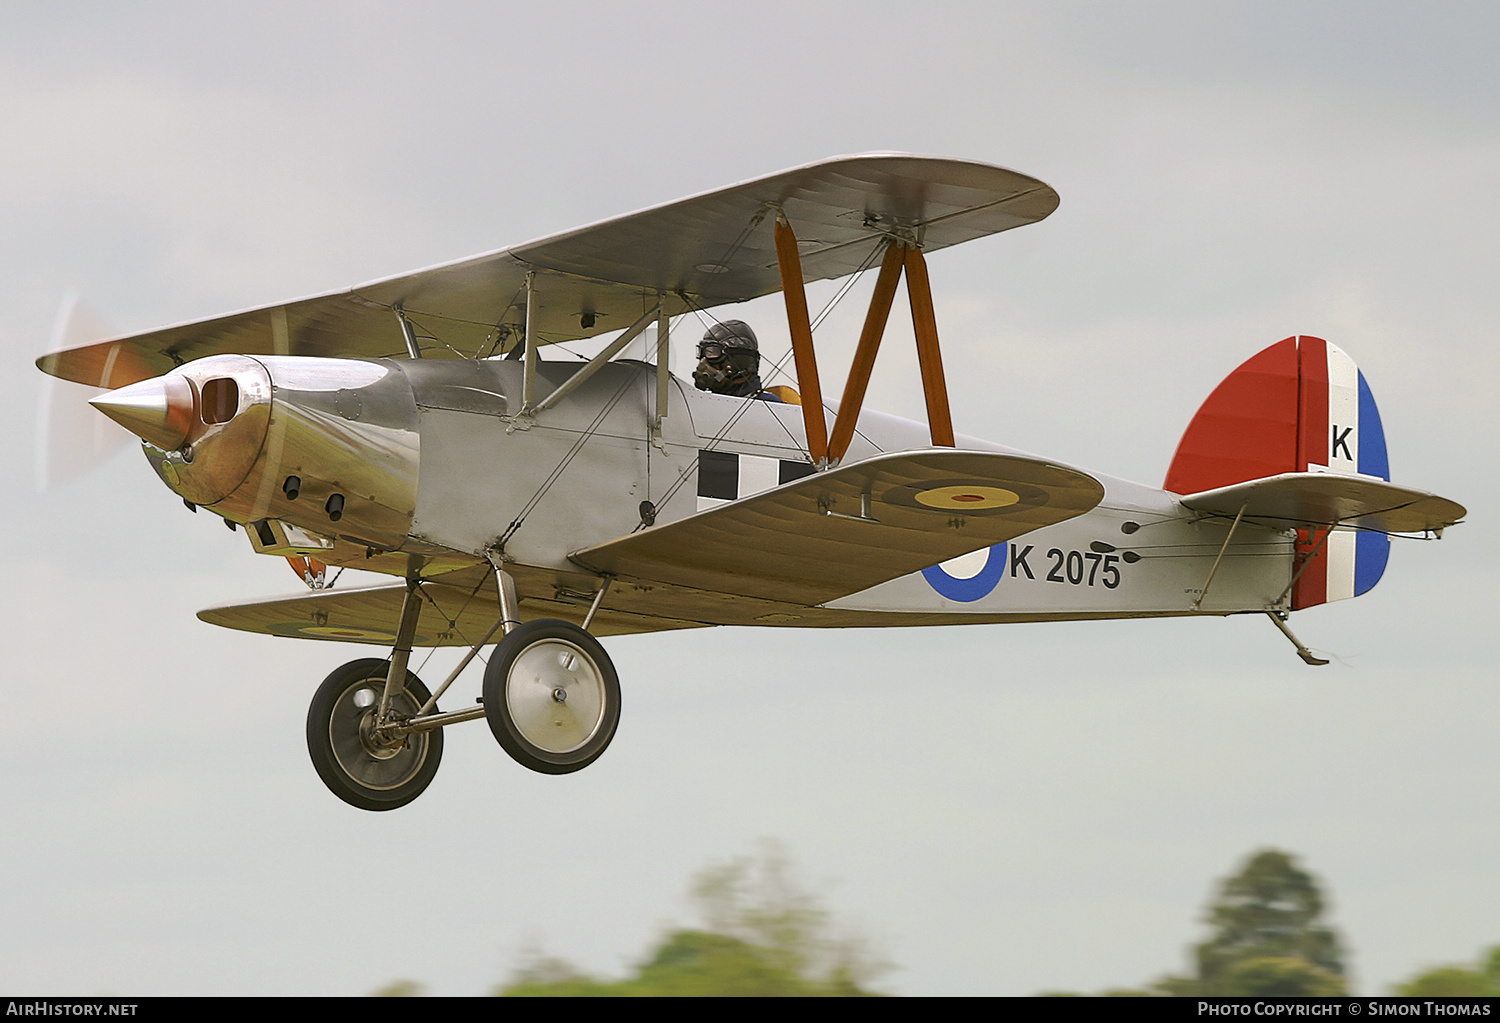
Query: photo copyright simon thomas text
[[1346, 1007]]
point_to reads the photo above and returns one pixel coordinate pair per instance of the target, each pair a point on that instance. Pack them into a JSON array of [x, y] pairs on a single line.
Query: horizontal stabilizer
[[1325, 499], [839, 532]]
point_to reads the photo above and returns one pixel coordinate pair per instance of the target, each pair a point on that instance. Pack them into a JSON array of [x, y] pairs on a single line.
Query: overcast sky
[[1005, 809]]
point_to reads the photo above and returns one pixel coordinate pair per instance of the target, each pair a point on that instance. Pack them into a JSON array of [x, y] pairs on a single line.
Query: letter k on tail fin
[[1301, 405]]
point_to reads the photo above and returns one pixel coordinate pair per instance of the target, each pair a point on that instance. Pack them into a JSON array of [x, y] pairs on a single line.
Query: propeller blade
[[71, 437]]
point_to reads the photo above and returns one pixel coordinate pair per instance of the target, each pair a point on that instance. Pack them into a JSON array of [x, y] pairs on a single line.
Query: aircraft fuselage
[[371, 463]]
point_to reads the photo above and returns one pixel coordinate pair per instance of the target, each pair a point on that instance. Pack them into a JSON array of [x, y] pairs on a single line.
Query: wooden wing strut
[[827, 452], [800, 326], [924, 323], [864, 355]]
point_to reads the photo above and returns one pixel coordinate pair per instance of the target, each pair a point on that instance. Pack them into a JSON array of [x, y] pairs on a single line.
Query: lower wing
[[838, 532]]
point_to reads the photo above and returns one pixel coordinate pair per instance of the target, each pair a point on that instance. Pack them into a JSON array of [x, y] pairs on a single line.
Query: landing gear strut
[[551, 697]]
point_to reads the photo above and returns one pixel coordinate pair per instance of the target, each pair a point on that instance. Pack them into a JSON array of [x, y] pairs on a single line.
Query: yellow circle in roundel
[[967, 498]]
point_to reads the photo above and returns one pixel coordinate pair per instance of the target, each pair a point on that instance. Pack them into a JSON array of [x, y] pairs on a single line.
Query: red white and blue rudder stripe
[[1301, 405]]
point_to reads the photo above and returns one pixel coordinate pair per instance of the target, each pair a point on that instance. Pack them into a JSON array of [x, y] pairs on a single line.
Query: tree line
[[762, 934], [1269, 937]]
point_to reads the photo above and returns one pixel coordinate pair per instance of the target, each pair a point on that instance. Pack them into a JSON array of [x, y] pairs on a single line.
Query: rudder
[[1301, 405]]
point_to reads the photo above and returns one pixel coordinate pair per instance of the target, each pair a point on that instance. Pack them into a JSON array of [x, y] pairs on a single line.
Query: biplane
[[412, 427]]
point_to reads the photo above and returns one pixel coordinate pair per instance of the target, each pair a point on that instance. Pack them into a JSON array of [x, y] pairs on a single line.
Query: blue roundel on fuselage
[[974, 587]]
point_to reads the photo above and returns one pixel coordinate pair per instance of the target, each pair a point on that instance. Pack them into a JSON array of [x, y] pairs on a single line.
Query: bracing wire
[[776, 367], [556, 473]]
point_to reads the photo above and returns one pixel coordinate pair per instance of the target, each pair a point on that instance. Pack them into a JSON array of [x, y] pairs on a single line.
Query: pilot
[[729, 362]]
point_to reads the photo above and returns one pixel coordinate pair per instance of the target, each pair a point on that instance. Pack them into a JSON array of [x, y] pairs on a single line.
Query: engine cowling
[[329, 445]]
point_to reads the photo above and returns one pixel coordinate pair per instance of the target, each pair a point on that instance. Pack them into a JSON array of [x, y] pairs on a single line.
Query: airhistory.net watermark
[[68, 1007]]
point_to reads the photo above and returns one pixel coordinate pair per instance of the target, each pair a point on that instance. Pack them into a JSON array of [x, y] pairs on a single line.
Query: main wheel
[[551, 696], [353, 762]]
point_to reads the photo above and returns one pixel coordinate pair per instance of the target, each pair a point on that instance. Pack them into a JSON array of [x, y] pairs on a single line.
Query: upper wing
[[816, 539], [702, 251], [1328, 499]]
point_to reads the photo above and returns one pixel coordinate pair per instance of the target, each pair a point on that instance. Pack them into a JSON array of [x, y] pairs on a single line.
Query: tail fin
[[1301, 405]]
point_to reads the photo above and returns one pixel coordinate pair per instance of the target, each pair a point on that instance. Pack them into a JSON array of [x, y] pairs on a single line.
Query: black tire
[[539, 729], [363, 775]]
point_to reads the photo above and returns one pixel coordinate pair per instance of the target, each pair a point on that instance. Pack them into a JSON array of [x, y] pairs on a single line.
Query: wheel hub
[[377, 742], [555, 696]]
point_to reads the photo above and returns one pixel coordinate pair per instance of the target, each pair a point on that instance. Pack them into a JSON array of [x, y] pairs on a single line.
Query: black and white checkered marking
[[724, 476]]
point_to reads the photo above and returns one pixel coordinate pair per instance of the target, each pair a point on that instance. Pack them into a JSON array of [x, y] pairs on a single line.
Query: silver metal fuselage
[[390, 463]]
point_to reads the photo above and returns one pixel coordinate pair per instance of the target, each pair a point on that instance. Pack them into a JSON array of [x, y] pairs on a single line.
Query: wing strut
[[864, 355], [663, 351], [898, 256], [929, 358], [800, 326], [528, 374], [593, 366], [413, 349]]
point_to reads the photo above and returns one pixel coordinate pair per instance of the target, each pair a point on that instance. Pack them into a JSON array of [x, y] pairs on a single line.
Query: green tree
[[1269, 914], [762, 934], [1268, 939], [1457, 981], [1278, 976], [541, 975], [697, 963]]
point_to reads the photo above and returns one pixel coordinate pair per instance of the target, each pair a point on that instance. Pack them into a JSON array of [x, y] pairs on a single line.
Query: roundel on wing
[[967, 497], [971, 576], [346, 633]]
